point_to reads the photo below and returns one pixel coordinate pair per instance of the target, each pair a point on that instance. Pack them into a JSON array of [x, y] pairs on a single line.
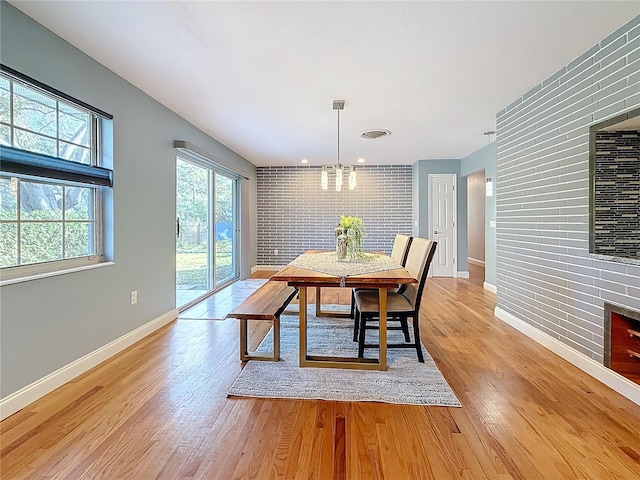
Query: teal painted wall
[[47, 324]]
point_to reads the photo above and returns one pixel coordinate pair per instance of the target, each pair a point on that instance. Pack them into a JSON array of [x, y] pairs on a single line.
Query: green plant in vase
[[353, 227]]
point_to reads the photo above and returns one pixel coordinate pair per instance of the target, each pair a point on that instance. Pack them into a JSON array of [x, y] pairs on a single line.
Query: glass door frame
[[235, 211], [213, 170]]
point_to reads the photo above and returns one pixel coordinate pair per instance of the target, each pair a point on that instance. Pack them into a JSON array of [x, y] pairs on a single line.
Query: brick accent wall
[[546, 276], [294, 214]]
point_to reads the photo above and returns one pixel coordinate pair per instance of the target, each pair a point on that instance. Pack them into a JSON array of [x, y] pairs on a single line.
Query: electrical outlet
[[492, 224], [275, 252], [134, 297]]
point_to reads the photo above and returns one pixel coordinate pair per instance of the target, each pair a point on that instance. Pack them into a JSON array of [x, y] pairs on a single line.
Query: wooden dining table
[[303, 278]]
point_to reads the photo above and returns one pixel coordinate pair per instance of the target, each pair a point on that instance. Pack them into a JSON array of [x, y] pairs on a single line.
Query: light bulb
[[352, 178], [324, 179], [338, 177], [489, 188]]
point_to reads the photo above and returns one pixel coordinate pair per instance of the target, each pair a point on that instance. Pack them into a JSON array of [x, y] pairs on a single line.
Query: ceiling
[[261, 77]]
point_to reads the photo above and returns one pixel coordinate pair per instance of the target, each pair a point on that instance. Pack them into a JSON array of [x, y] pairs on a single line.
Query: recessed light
[[304, 160], [361, 160]]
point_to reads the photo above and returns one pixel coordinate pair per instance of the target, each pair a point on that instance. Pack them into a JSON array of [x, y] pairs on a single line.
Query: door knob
[[435, 232]]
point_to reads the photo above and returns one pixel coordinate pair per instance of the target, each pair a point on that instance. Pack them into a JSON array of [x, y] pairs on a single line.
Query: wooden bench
[[266, 303]]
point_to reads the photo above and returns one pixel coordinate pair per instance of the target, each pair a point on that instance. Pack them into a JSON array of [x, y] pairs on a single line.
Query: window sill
[[611, 258], [27, 278]]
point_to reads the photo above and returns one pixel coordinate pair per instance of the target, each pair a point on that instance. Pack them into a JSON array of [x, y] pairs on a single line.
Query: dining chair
[[400, 305], [399, 253]]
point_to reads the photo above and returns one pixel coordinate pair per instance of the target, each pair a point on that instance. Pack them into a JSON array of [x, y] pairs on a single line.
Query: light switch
[[492, 224]]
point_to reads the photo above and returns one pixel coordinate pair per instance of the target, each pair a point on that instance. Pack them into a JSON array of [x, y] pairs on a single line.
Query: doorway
[[206, 230], [442, 223], [476, 193]]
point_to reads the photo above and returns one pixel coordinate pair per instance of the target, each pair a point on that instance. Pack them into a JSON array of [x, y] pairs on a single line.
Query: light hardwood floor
[[159, 410]]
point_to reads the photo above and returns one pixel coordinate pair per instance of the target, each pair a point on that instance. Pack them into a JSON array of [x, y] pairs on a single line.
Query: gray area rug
[[406, 381]]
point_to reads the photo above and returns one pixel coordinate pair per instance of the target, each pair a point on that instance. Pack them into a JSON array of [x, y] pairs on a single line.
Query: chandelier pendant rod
[[338, 137]]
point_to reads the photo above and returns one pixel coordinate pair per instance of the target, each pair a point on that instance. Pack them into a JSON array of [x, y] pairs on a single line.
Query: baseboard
[[29, 394], [270, 268], [462, 274], [614, 380], [491, 287], [475, 261]]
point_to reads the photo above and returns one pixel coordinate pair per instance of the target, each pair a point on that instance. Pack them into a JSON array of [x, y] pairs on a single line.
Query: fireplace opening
[[622, 341]]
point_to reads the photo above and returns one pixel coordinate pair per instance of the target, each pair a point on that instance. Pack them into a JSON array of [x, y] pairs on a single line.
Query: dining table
[[318, 269]]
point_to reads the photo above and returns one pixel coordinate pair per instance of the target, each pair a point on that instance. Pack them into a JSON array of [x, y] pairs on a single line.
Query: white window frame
[[96, 258]]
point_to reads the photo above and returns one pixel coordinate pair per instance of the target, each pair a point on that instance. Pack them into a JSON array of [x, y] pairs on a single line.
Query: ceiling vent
[[373, 134]]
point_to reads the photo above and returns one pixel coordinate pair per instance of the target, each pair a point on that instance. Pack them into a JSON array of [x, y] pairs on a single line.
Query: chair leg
[[356, 325], [404, 324], [353, 303], [416, 335], [361, 337]]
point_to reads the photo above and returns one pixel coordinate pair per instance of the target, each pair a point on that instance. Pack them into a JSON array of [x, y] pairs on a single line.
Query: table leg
[[318, 304], [302, 307], [324, 361], [383, 328]]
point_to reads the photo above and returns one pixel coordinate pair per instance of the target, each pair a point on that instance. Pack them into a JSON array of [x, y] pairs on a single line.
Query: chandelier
[[338, 168]]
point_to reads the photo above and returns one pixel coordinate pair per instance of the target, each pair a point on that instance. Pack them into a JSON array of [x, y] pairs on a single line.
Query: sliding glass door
[[206, 253], [225, 252]]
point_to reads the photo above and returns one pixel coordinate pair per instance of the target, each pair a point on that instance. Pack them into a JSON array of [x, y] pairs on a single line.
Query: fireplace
[[622, 341]]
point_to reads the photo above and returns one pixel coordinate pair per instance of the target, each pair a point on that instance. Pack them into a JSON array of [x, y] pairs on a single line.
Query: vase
[[354, 245], [341, 244]]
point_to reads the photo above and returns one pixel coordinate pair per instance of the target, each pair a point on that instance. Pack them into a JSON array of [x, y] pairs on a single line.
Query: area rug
[[406, 381]]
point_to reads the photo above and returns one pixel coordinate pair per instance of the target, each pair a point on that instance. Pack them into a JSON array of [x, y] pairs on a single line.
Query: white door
[[442, 222]]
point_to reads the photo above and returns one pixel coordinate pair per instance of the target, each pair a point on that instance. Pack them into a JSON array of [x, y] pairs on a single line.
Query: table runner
[[327, 262]]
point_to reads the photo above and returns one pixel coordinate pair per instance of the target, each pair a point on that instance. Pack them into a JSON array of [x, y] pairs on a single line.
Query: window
[[52, 179]]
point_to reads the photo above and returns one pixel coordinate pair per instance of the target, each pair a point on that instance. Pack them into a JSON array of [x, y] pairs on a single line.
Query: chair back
[[400, 248], [419, 259]]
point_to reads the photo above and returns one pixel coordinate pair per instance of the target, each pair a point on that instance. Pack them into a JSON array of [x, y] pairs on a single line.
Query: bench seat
[[266, 303]]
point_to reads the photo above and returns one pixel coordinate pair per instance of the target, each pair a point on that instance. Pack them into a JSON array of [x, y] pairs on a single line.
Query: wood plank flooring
[[159, 410]]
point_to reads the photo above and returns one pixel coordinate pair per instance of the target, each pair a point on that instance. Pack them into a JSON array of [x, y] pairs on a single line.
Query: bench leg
[[276, 339], [245, 354]]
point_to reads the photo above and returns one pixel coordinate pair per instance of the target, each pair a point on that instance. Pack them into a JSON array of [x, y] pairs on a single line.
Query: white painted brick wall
[[546, 276]]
